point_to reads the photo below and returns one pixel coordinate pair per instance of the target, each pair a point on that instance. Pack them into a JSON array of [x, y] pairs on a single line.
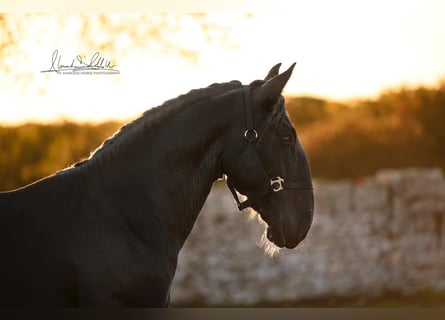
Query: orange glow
[[340, 54]]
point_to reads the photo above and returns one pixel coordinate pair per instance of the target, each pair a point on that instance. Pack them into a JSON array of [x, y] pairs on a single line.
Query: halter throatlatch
[[276, 184]]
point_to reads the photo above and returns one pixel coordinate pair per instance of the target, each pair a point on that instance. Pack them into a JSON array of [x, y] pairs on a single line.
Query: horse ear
[[270, 91], [273, 72]]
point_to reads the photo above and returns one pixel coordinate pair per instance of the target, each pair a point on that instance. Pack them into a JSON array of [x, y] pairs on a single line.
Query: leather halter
[[276, 184]]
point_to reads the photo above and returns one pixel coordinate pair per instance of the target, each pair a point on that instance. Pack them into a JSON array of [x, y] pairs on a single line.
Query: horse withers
[[107, 231]]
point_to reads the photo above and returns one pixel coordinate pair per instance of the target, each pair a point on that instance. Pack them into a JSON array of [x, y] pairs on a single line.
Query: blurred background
[[368, 93]]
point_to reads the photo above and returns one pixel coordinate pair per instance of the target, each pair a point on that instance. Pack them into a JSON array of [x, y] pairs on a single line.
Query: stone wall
[[384, 233]]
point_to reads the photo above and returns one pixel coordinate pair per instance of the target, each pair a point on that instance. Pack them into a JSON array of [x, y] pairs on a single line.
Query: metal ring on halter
[[277, 184], [251, 135]]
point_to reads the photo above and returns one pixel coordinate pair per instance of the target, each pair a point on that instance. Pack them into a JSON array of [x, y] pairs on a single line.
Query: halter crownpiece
[[278, 183]]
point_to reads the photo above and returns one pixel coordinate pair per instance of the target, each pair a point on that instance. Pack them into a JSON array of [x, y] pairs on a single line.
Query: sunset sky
[[343, 49]]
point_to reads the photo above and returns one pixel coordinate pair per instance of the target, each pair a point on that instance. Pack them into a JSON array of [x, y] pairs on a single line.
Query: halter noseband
[[276, 184]]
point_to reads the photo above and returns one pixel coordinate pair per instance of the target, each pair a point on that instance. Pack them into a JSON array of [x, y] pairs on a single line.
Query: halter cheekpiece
[[276, 184]]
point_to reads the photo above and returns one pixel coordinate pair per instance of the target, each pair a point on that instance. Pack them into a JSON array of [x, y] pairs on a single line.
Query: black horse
[[108, 230]]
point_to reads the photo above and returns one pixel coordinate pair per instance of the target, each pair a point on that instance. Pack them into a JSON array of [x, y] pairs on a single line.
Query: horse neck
[[165, 174]]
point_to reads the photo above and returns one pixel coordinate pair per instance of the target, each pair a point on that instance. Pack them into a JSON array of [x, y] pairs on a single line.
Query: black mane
[[157, 115]]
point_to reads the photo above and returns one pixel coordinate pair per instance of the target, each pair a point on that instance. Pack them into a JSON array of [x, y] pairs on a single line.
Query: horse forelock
[[279, 112]]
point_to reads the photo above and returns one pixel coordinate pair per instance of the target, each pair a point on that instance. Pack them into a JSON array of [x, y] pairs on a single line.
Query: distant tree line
[[32, 151], [400, 128]]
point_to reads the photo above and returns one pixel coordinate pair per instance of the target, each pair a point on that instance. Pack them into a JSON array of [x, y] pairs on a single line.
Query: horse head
[[268, 164]]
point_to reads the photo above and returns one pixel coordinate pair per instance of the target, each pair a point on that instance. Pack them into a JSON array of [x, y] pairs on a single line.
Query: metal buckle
[[251, 135], [279, 181]]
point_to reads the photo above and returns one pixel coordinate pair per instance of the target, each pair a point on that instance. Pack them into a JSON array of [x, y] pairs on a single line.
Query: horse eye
[[287, 139]]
